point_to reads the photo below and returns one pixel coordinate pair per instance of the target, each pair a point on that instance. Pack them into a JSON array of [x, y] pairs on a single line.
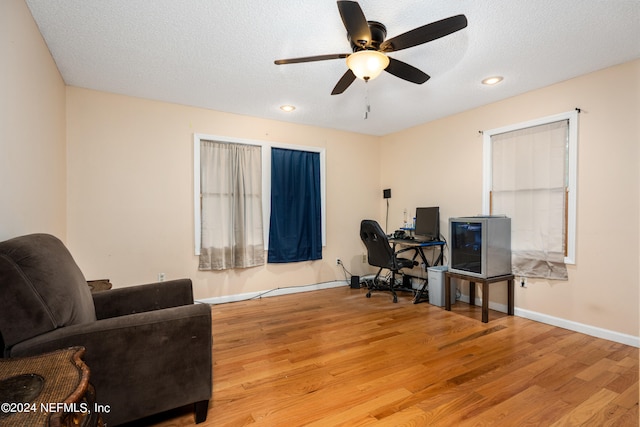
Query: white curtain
[[231, 202], [529, 181]]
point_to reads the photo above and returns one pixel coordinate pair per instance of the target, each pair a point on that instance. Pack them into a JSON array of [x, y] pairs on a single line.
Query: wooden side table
[[50, 389], [99, 285], [485, 291]]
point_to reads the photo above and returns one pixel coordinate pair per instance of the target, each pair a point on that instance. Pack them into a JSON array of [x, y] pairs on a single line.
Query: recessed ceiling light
[[287, 108], [490, 81]]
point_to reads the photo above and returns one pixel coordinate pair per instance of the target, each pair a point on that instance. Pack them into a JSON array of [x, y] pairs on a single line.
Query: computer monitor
[[428, 223]]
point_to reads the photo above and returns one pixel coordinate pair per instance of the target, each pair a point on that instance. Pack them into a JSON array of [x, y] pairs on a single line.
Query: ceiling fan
[[369, 47]]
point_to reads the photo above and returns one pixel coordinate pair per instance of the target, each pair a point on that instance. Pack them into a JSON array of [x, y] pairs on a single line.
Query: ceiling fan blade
[[355, 22], [344, 82], [406, 72], [425, 34], [310, 58]]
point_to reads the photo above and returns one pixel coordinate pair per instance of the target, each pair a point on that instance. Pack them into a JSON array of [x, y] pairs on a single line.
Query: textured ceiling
[[219, 54]]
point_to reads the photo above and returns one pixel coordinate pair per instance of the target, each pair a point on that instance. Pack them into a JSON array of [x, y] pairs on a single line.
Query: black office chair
[[380, 254]]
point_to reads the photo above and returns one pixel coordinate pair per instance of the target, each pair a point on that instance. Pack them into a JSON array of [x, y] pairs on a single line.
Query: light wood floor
[[336, 358]]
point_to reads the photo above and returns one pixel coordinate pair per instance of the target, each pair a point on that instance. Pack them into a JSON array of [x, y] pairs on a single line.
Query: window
[[530, 174], [231, 205], [265, 193], [295, 229]]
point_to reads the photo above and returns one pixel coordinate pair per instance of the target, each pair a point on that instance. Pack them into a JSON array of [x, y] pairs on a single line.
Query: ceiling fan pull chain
[[367, 105]]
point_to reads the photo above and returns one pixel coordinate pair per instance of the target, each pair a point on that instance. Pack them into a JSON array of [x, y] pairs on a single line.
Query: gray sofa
[[148, 347]]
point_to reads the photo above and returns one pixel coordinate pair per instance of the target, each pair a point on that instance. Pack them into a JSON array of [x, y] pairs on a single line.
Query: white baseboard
[[579, 327], [273, 292], [492, 305], [594, 331]]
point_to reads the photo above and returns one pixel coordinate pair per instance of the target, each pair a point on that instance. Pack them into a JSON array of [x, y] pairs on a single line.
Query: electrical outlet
[[161, 277], [364, 258], [338, 261]]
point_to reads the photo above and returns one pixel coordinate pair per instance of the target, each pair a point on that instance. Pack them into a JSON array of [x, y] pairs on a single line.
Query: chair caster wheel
[[368, 294], [395, 299]]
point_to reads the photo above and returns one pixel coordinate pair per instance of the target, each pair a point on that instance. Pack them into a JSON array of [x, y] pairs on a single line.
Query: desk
[[485, 291], [50, 389], [418, 251]]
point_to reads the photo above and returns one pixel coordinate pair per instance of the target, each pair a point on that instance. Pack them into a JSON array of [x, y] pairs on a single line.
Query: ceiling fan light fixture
[[491, 81], [367, 64]]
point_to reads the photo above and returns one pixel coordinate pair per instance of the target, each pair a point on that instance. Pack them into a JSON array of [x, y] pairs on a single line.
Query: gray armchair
[[148, 347]]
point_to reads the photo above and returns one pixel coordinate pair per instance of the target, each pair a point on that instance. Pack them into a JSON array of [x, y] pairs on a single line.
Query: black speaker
[[355, 282], [386, 193]]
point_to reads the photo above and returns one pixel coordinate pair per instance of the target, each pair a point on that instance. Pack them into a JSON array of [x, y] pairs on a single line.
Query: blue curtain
[[295, 230]]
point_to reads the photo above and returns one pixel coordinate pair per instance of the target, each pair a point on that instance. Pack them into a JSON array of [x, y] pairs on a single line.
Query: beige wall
[[115, 180], [603, 286], [130, 169], [32, 129]]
